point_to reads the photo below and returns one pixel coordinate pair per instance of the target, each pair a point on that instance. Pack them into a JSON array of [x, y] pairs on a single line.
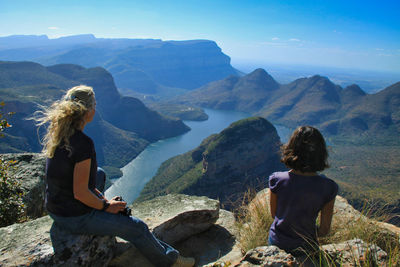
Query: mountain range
[[149, 66], [340, 112], [122, 128]]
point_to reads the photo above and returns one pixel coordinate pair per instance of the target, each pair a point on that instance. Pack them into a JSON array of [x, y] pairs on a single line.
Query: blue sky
[[350, 34]]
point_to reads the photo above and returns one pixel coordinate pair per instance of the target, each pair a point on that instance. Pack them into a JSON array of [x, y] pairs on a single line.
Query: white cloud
[[276, 44], [379, 49], [294, 40], [53, 28], [275, 39]]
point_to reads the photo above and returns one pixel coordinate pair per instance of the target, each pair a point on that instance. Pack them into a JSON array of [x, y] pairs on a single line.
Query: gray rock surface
[[346, 254], [32, 244], [30, 169], [175, 217], [355, 252], [217, 244], [268, 256]]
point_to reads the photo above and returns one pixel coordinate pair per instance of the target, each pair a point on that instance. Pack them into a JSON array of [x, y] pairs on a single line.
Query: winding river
[[140, 170]]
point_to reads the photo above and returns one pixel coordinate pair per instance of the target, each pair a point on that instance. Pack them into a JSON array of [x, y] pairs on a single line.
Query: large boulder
[[29, 168], [216, 245], [175, 217]]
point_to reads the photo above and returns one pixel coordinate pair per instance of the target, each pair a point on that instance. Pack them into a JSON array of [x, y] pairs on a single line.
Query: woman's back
[[299, 200]]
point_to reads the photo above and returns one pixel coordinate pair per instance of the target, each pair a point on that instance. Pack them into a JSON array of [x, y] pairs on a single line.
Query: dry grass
[[254, 220]]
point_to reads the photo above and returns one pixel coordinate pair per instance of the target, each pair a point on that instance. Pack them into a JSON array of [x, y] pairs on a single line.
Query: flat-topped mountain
[[224, 166], [143, 65], [348, 112], [121, 129]]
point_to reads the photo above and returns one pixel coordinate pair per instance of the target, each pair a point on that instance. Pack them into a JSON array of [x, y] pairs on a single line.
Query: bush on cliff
[[11, 204]]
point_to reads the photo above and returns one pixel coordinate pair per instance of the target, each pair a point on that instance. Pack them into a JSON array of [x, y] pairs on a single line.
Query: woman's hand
[[116, 206]]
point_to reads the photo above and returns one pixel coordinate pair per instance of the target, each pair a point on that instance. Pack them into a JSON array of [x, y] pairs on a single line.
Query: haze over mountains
[[148, 66], [315, 100]]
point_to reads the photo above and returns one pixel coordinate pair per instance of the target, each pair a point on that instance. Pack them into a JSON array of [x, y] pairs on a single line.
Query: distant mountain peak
[[259, 71], [354, 89], [261, 76], [319, 78]]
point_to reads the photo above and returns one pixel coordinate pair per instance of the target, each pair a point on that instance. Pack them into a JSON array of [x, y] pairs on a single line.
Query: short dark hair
[[305, 151]]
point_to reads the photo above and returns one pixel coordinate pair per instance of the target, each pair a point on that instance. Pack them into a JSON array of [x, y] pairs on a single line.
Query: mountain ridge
[[314, 100]]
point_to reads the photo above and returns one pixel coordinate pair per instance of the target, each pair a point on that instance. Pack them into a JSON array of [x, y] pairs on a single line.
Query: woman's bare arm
[[273, 198], [326, 218], [86, 196]]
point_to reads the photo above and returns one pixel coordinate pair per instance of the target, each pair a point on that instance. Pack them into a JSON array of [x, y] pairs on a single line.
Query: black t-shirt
[[59, 176]]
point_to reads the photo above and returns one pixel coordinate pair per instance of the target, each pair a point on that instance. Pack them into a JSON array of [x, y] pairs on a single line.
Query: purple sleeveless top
[[300, 198]]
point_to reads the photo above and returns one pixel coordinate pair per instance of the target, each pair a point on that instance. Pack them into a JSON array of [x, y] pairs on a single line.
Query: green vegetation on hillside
[[366, 172], [223, 166], [11, 204]]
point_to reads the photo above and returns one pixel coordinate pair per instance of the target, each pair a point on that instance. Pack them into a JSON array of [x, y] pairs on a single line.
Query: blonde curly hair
[[64, 117]]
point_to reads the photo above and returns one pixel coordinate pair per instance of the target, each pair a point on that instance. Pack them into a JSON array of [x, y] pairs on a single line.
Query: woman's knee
[[139, 224]]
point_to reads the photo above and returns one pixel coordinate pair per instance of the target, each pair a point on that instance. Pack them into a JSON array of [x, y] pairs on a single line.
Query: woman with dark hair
[[298, 195], [73, 195]]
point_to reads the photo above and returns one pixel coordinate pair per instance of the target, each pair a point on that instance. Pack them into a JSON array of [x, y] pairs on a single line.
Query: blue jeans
[[129, 228]]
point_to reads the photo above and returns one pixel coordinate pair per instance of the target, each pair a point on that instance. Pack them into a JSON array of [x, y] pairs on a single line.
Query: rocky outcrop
[[240, 157], [29, 168], [194, 225], [224, 166], [173, 218]]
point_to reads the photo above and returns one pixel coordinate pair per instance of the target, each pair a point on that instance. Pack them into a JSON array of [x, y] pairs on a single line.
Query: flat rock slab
[[30, 244], [175, 217]]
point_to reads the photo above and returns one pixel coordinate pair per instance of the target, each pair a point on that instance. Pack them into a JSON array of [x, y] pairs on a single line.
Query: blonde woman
[[72, 198]]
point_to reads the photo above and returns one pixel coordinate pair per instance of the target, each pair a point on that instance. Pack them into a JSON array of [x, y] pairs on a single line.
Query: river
[[140, 170]]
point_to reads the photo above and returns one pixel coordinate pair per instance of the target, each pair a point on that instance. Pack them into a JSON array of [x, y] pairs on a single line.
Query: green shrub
[[11, 205]]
